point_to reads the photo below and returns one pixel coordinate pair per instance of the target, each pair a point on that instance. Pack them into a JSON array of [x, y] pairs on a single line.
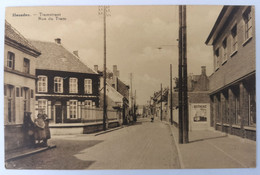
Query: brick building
[[19, 86], [232, 84]]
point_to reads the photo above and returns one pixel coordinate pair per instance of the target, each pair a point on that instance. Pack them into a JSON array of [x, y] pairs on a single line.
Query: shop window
[[237, 105]]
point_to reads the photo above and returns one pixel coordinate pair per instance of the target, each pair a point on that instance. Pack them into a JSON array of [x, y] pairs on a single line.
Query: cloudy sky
[[134, 34]]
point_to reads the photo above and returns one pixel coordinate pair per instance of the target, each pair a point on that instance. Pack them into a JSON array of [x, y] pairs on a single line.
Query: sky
[[134, 34]]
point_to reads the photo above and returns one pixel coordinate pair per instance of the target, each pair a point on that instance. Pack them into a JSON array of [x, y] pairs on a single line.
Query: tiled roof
[[13, 35], [55, 57]]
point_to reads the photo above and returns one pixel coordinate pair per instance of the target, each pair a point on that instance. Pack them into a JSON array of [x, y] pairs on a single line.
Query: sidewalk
[[213, 149], [26, 151]]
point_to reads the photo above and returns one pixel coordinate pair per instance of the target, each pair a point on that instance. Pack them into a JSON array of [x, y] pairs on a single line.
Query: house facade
[[198, 102], [19, 85], [120, 91], [232, 84], [66, 89]]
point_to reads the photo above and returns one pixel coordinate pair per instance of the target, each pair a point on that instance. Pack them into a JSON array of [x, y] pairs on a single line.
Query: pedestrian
[[152, 118], [28, 126], [39, 133], [46, 129]]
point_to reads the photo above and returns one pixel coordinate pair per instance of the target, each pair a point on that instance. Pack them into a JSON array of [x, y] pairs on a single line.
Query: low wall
[[80, 128]]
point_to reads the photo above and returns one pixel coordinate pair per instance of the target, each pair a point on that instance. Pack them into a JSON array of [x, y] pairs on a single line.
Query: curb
[[110, 130], [177, 146], [30, 153]]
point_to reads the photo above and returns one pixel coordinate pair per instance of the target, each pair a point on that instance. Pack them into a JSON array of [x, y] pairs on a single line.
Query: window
[[217, 59], [88, 86], [252, 103], [237, 105], [248, 23], [32, 93], [17, 92], [73, 85], [42, 106], [58, 85], [42, 83], [224, 54], [10, 60], [26, 65], [73, 109], [234, 39], [10, 103], [26, 99]]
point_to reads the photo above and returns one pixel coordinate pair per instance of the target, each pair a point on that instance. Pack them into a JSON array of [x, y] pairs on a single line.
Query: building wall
[[18, 80], [238, 64], [232, 85]]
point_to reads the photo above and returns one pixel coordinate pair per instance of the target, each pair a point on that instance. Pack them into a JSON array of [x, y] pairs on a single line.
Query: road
[[144, 145]]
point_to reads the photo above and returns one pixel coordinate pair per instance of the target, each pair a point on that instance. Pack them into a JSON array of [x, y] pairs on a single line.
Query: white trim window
[[42, 83], [224, 54], [248, 23], [58, 84], [88, 86], [234, 44], [73, 109], [42, 106], [73, 85]]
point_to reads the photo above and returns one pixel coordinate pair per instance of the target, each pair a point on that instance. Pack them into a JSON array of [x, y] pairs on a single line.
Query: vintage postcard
[[130, 87]]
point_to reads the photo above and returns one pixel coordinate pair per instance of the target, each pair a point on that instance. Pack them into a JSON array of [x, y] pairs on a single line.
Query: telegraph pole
[[103, 10], [183, 94], [171, 93], [161, 102]]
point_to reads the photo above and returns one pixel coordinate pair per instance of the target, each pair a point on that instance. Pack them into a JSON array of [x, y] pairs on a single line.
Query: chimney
[[57, 40], [75, 52], [115, 72], [96, 68], [203, 70]]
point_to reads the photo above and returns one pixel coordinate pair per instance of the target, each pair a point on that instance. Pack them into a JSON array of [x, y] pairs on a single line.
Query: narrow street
[[144, 145]]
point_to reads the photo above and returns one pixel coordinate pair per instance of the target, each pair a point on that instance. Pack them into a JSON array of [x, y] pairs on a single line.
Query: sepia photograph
[[129, 87]]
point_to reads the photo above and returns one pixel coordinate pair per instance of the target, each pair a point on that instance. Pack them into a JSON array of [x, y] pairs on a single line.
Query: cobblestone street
[[144, 145]]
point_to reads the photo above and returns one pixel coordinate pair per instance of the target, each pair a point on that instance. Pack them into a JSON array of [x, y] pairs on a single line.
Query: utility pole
[[103, 10], [161, 101], [171, 93], [183, 94], [131, 93]]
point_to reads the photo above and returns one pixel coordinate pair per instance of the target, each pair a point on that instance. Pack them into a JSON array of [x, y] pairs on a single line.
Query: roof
[[55, 57], [13, 35]]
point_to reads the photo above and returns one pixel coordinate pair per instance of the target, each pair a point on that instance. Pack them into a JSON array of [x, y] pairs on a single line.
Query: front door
[[58, 113]]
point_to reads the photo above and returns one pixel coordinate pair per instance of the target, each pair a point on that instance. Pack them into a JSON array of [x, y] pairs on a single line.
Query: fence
[[96, 115]]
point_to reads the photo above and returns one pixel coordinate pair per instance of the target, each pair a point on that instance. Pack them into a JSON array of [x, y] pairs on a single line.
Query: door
[[58, 113]]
